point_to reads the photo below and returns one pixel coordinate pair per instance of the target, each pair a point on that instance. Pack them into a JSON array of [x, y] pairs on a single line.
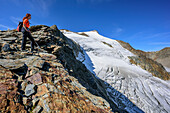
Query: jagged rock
[[34, 61], [12, 64], [54, 27], [29, 90], [35, 79], [23, 85], [41, 90]]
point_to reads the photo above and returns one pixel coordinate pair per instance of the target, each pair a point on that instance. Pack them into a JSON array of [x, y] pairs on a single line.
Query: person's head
[[28, 16]]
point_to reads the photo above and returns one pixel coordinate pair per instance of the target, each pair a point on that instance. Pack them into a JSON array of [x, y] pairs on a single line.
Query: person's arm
[[25, 28]]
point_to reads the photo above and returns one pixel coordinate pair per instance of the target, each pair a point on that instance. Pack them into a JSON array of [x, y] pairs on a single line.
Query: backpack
[[19, 26]]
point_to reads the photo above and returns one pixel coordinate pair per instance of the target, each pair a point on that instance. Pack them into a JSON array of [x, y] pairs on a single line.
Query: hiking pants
[[24, 39]]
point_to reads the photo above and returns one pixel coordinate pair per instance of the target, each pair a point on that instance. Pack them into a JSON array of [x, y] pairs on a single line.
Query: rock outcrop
[[150, 61], [50, 79], [162, 56]]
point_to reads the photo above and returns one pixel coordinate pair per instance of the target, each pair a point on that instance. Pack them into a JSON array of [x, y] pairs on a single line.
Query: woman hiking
[[26, 32]]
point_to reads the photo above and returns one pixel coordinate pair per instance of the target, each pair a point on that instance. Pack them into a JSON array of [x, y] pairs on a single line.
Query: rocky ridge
[[49, 80], [150, 61], [162, 56]]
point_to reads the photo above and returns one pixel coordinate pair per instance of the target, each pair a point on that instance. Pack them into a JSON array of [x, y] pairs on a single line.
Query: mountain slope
[[53, 78], [162, 56], [151, 58], [110, 61], [50, 80]]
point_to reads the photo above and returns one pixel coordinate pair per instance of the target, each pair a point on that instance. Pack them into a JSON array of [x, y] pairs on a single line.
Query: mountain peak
[[95, 31]]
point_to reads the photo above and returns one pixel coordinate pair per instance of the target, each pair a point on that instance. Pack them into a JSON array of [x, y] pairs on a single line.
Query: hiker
[[26, 32]]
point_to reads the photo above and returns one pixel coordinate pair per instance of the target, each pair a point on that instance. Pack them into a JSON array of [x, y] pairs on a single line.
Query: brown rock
[[47, 56], [42, 90]]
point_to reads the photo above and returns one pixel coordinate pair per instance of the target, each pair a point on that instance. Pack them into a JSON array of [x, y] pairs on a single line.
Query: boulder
[[29, 90], [11, 64], [35, 79]]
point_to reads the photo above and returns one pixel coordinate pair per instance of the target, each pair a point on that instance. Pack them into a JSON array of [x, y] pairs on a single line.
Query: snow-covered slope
[[109, 61]]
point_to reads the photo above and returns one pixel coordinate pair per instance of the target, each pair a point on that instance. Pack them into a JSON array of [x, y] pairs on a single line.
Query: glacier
[[109, 61]]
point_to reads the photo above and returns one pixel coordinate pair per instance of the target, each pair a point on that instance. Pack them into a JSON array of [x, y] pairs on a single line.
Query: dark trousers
[[24, 39]]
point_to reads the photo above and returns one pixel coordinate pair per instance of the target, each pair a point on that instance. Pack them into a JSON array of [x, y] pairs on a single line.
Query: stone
[[23, 85], [34, 61], [35, 101], [47, 56], [6, 47], [11, 64], [37, 109], [56, 49], [3, 88], [35, 79], [25, 100], [28, 73], [45, 106], [29, 90], [9, 39], [42, 90], [33, 71]]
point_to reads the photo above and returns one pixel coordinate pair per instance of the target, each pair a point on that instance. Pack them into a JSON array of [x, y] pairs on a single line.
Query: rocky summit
[[48, 80], [51, 79]]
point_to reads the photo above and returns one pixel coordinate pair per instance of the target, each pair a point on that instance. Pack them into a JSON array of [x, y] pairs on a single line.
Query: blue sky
[[145, 24]]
